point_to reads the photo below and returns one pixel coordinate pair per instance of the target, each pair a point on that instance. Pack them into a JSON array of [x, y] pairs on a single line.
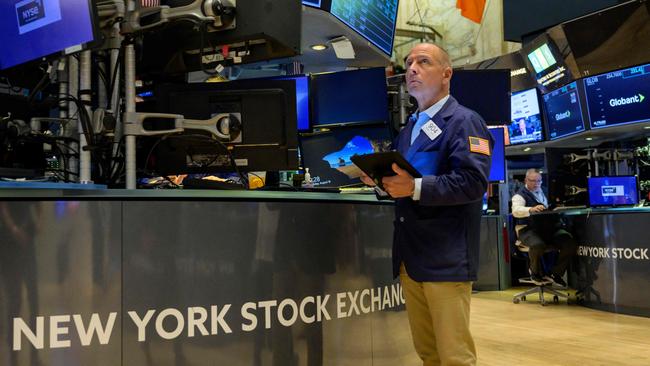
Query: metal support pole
[[129, 86], [116, 70], [84, 85], [73, 89]]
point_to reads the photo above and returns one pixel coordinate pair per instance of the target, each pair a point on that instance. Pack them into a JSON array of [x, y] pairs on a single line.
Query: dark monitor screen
[[31, 29], [327, 154], [613, 191], [267, 139], [526, 120], [314, 3], [563, 111], [302, 99], [619, 97], [374, 19], [487, 92], [498, 167], [358, 96], [611, 39]]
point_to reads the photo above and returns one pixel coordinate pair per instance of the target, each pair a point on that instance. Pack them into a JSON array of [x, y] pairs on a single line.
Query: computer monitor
[[375, 20], [302, 99], [609, 40], [563, 111], [31, 29], [327, 153], [526, 119], [613, 191], [546, 63], [314, 3], [487, 92], [267, 138], [498, 167], [349, 97], [619, 97]]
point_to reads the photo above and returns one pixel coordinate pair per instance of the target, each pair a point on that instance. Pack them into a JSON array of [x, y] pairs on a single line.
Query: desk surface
[[182, 194]]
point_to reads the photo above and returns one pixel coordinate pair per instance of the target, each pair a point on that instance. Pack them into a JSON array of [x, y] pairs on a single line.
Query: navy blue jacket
[[437, 237]]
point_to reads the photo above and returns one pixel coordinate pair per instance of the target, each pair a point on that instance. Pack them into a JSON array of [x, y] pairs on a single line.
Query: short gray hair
[[532, 171]]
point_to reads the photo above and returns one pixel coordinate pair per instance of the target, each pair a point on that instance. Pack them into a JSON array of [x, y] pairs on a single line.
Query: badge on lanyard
[[432, 130]]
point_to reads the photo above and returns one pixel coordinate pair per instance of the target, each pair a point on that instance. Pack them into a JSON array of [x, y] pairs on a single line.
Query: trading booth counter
[[613, 258], [151, 277]]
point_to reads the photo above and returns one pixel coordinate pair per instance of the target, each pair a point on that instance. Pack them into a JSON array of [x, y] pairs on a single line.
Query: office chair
[[538, 289]]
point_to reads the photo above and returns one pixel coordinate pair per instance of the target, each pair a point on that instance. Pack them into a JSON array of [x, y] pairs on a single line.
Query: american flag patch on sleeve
[[479, 145]]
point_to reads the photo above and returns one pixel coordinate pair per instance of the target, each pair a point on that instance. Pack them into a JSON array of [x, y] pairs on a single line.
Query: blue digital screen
[[373, 19], [498, 167], [302, 100], [30, 29], [315, 3], [563, 111], [327, 155], [619, 97], [358, 96], [526, 119], [613, 191]]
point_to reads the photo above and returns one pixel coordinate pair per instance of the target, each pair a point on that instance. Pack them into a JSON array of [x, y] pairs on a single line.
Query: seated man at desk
[[538, 238]]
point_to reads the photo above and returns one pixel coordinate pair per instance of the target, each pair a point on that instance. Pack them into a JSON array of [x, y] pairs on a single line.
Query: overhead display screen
[[563, 111], [373, 19], [31, 29], [315, 3], [619, 97], [526, 119]]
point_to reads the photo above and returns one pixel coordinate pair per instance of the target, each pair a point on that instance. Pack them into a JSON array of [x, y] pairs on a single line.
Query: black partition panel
[[258, 264], [613, 261], [60, 270], [203, 282]]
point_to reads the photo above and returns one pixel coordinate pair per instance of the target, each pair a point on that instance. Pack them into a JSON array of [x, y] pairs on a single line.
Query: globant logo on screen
[[34, 14], [561, 116], [625, 101]]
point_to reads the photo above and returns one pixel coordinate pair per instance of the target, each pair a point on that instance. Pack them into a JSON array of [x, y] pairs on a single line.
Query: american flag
[[479, 145], [149, 3]]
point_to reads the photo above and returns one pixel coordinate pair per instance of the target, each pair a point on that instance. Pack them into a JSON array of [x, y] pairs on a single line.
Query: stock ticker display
[[619, 97], [563, 111], [373, 19]]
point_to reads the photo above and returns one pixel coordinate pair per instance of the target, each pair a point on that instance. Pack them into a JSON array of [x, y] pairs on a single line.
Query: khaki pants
[[438, 313]]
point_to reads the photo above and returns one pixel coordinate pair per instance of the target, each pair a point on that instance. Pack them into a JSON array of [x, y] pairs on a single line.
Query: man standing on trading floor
[[437, 226]]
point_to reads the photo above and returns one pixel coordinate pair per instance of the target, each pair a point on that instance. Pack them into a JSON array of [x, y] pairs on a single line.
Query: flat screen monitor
[[487, 92], [526, 120], [302, 99], [563, 111], [314, 3], [610, 39], [31, 29], [619, 97], [545, 61], [267, 139], [613, 191], [348, 97], [327, 154], [374, 19], [498, 167]]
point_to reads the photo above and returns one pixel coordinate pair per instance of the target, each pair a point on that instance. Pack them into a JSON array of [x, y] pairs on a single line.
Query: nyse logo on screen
[[29, 12], [609, 191], [34, 14]]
